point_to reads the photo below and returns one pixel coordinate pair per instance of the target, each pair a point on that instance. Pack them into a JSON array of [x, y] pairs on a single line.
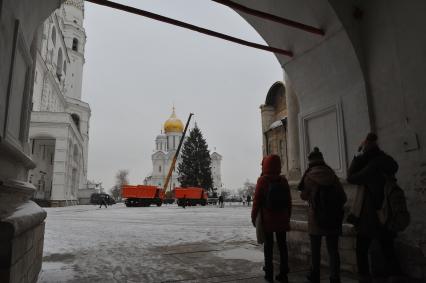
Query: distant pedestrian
[[184, 201], [221, 201], [248, 199], [272, 209], [372, 170], [322, 189], [102, 201]]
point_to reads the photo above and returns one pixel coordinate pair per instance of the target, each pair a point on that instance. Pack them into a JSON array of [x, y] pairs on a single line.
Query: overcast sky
[[136, 68]]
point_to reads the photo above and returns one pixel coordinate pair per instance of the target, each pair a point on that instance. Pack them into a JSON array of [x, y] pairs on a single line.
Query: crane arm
[[172, 166]]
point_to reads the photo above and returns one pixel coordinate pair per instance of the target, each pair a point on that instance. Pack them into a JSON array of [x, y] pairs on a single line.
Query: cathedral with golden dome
[[166, 144]]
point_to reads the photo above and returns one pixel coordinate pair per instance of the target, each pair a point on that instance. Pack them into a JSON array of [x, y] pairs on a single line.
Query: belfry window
[[75, 44], [59, 63]]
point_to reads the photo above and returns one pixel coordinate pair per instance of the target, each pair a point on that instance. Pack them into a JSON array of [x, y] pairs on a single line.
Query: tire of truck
[[203, 203], [159, 203]]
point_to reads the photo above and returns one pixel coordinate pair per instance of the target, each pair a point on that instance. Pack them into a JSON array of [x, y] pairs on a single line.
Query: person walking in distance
[[370, 170], [221, 201], [321, 188], [184, 201], [272, 203], [248, 200], [102, 201]]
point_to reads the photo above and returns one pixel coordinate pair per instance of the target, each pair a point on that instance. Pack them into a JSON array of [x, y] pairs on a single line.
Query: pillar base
[[21, 233]]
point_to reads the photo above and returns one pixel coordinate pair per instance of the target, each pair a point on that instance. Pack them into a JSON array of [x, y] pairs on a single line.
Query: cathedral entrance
[[43, 152]]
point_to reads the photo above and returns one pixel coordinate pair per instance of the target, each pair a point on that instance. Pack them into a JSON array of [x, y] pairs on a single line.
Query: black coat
[[369, 170]]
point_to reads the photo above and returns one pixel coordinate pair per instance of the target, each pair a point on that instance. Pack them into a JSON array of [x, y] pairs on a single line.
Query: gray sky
[[136, 68]]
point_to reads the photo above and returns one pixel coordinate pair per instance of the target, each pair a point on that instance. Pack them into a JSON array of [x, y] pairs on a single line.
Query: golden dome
[[173, 124]]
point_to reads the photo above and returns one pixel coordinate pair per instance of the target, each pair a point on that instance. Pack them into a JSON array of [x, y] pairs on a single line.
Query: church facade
[[274, 125], [59, 128], [166, 145]]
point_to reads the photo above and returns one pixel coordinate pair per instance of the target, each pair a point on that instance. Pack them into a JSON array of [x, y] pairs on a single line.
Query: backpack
[[394, 214], [277, 197], [328, 207]]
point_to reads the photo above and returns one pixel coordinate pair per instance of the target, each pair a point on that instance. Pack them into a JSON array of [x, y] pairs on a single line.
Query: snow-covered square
[[150, 244]]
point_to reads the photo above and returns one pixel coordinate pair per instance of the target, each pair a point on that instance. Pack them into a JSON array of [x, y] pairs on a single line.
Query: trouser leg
[[282, 246], [316, 257], [268, 250], [332, 242], [391, 263], [362, 247]]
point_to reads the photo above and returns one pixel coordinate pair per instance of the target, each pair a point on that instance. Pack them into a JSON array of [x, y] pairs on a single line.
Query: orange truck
[[142, 195], [190, 196]]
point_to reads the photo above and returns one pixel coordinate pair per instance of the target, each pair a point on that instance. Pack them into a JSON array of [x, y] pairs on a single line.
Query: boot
[[313, 277], [269, 277], [282, 278], [269, 274]]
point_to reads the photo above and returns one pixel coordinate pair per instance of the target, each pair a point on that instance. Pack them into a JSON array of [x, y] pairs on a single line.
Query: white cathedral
[[59, 129], [165, 148]]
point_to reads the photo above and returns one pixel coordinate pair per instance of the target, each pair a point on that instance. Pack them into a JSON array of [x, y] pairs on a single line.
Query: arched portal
[[370, 60], [43, 149]]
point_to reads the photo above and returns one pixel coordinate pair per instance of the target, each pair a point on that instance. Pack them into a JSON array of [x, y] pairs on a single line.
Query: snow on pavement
[[138, 244]]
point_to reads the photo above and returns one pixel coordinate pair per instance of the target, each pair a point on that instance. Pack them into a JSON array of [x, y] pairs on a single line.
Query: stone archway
[[338, 79]]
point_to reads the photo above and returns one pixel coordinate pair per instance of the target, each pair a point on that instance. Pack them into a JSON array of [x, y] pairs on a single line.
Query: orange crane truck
[[190, 196], [142, 195]]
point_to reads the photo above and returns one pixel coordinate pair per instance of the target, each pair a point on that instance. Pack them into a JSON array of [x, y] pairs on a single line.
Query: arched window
[[59, 63], [54, 35], [76, 120], [159, 168], [75, 44]]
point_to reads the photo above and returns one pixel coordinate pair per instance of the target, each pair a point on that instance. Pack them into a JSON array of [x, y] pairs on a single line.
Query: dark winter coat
[[319, 174], [369, 170], [273, 221]]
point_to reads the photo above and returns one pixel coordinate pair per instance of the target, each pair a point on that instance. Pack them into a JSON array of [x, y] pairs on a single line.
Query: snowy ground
[[149, 244]]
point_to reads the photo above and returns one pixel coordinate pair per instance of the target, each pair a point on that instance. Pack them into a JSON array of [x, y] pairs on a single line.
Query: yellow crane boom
[[172, 166]]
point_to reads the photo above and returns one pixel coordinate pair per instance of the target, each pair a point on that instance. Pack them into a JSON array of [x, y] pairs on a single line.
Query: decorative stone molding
[[323, 127], [79, 4], [16, 209]]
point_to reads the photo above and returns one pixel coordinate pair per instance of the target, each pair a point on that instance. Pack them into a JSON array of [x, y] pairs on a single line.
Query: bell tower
[[75, 40]]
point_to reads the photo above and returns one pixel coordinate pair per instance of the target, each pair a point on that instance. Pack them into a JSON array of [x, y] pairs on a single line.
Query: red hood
[[271, 165]]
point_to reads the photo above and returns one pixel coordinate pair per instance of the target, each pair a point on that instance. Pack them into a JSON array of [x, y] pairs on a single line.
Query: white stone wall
[[57, 99]]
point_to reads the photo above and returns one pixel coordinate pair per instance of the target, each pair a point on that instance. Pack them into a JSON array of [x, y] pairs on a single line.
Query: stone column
[[293, 131], [267, 115]]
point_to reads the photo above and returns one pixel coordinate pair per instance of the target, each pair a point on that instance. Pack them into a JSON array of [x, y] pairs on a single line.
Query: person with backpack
[[374, 173], [322, 189], [272, 203]]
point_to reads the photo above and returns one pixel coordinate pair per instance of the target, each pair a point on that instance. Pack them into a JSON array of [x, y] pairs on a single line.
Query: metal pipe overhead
[[185, 25], [270, 17]]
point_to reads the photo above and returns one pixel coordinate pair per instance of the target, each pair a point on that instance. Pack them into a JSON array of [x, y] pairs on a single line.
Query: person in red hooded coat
[[274, 220]]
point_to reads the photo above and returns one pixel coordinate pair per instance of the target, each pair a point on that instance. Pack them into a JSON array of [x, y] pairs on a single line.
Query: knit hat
[[315, 155], [370, 140], [371, 137]]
